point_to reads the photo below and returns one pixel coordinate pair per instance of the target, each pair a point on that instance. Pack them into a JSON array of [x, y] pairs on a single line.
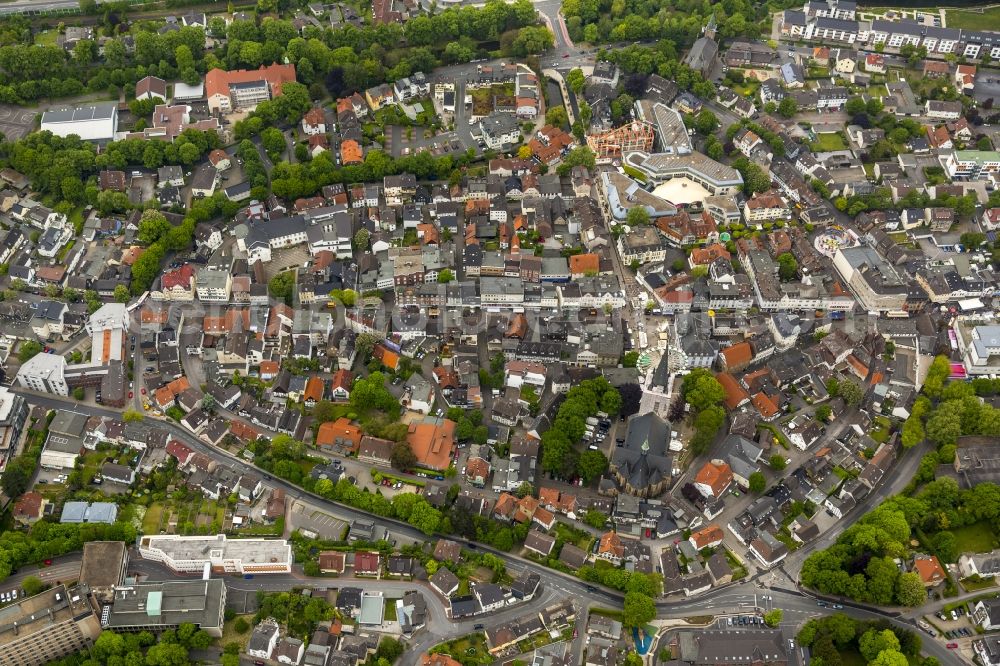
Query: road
[[798, 608]]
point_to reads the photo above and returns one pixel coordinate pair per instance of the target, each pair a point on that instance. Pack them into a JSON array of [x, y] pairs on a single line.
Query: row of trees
[[66, 167], [860, 564], [408, 507], [703, 392], [879, 642], [681, 22], [559, 454], [47, 540]]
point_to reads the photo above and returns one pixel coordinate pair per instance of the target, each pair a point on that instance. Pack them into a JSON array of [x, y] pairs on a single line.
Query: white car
[[14, 594]]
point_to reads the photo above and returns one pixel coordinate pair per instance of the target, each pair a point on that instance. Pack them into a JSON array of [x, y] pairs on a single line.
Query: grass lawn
[[230, 635], [151, 521], [985, 19], [390, 610], [828, 141], [977, 538], [47, 38], [881, 433], [973, 585], [747, 88], [469, 650]]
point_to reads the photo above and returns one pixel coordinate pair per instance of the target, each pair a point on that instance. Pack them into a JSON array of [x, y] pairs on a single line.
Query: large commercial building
[[190, 554], [715, 177], [161, 606], [874, 281], [48, 626], [245, 89], [95, 122]]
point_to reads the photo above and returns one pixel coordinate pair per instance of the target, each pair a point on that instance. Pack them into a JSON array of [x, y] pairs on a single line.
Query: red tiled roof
[[217, 81]]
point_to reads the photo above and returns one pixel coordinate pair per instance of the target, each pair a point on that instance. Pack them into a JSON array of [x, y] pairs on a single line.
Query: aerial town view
[[513, 333]]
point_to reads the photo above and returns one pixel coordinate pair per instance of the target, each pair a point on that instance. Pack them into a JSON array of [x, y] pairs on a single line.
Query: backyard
[[976, 538], [469, 650], [827, 142], [199, 515]]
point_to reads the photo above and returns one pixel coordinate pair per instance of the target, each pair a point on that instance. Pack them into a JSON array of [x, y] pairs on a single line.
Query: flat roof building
[[94, 122], [191, 553], [166, 605], [103, 567], [48, 626]]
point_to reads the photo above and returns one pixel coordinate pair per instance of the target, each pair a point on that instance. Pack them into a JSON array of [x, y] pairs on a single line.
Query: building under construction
[[637, 135]]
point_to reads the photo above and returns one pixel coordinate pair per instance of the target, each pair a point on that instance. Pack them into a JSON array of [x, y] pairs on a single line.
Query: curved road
[[566, 584]]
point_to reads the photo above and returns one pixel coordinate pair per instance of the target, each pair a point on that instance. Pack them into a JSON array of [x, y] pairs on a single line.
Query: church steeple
[[711, 28]]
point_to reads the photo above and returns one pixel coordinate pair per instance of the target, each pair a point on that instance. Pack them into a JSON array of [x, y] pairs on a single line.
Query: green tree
[[777, 461], [890, 658], [445, 275], [575, 80], [788, 267], [873, 642], [630, 359], [361, 239], [595, 519], [122, 293], [32, 585], [28, 350], [757, 482], [701, 389], [772, 618], [705, 122], [591, 465], [910, 590], [556, 116], [79, 393], [273, 141], [851, 392], [282, 286], [823, 413], [638, 610], [108, 644], [402, 456], [788, 107], [637, 216]]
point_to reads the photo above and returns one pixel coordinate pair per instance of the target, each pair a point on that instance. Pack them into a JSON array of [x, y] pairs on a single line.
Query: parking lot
[[16, 122], [323, 525]]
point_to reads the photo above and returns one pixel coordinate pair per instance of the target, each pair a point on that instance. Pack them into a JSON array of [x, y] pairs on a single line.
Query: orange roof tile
[[715, 474], [928, 567], [342, 429], [432, 443], [706, 536], [350, 152], [736, 395], [314, 389], [611, 544], [765, 405], [217, 81], [737, 355]]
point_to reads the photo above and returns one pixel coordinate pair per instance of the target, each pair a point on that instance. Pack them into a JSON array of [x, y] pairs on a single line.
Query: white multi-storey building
[[191, 554]]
